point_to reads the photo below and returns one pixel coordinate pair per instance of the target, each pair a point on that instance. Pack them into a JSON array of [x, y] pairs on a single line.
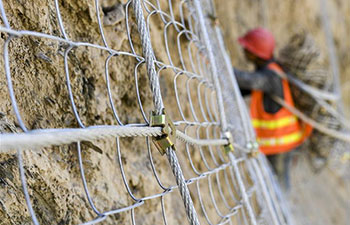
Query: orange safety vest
[[281, 131]]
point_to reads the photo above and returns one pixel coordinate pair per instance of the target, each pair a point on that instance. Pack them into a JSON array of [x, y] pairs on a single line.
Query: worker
[[278, 130]]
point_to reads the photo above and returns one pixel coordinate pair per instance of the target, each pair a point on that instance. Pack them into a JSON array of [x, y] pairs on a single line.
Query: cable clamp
[[228, 147], [168, 137], [214, 19], [253, 148]]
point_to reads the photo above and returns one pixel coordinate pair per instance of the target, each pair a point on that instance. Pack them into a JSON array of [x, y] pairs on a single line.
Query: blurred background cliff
[[315, 197]]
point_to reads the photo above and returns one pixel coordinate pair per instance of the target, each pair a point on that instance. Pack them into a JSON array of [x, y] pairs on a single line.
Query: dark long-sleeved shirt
[[265, 80]]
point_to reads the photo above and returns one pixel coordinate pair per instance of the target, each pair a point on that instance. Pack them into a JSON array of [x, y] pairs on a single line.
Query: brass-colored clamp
[[214, 19], [168, 137], [228, 147], [253, 148]]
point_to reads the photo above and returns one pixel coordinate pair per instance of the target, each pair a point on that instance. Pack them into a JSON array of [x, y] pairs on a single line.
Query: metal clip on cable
[[253, 148], [168, 137], [228, 147]]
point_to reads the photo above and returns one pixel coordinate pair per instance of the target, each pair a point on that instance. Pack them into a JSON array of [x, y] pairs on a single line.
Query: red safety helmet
[[260, 42]]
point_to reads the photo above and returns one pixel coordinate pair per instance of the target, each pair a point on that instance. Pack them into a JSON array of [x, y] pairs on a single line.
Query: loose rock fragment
[[113, 15]]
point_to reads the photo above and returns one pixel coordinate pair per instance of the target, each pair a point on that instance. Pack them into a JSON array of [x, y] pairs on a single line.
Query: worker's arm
[[264, 80]]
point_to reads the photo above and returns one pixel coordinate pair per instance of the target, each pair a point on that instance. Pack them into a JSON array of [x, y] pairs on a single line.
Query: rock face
[[38, 73]]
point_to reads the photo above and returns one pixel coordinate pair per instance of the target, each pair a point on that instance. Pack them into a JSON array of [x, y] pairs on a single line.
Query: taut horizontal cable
[[49, 137], [201, 142]]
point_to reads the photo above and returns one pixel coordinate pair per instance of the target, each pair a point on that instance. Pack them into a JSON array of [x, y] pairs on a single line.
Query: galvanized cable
[[316, 93], [316, 125], [214, 70], [275, 192], [242, 189], [184, 191], [233, 80], [321, 98], [219, 96], [218, 93], [249, 133], [331, 53], [147, 52], [200, 142], [247, 203], [36, 139], [265, 193], [158, 104]]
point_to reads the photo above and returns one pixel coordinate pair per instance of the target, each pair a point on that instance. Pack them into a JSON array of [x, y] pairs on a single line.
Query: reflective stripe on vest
[[273, 124], [283, 140]]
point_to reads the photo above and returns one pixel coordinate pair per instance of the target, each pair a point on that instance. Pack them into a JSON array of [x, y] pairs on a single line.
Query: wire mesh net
[[87, 67], [300, 57]]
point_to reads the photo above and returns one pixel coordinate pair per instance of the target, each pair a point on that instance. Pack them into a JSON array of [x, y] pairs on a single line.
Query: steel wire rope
[[321, 98], [331, 53], [222, 116], [158, 105], [282, 207], [243, 113], [316, 125]]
